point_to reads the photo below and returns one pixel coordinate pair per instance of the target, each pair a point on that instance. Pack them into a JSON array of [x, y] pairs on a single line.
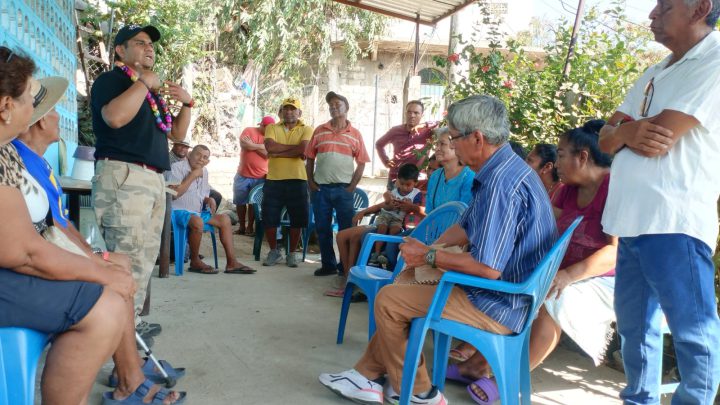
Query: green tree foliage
[[284, 38], [609, 56], [289, 38]]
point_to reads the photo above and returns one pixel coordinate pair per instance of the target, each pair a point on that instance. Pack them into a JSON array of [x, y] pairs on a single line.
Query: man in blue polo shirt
[[508, 228]]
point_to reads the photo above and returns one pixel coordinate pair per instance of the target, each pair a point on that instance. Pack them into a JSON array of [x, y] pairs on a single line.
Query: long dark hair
[[586, 137], [548, 154]]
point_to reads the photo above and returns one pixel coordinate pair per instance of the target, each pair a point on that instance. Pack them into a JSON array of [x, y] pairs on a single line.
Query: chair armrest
[[453, 277], [369, 242]]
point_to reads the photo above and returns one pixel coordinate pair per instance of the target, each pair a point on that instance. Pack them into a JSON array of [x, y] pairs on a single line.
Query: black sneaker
[[322, 271]]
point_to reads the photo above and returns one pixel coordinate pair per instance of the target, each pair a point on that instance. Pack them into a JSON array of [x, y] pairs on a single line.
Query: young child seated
[[403, 199]]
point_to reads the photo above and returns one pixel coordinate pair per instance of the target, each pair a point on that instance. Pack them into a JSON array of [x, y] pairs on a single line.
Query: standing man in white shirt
[[664, 186]]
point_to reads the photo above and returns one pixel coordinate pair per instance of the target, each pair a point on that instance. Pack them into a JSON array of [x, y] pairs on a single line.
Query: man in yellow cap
[[286, 182]]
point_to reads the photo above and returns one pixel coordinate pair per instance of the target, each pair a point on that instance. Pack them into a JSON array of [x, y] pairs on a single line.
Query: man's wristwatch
[[430, 257]]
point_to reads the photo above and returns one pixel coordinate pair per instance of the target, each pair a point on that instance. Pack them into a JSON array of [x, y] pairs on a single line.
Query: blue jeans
[[673, 273], [331, 197]]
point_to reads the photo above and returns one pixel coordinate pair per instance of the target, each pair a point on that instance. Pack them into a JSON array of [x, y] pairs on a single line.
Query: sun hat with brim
[[46, 92], [129, 31], [182, 143]]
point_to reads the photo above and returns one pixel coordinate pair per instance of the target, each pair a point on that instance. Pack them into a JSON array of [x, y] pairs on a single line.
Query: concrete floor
[[264, 338]]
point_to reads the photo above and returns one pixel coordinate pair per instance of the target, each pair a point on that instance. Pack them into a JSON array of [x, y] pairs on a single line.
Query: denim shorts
[[241, 188], [47, 306]]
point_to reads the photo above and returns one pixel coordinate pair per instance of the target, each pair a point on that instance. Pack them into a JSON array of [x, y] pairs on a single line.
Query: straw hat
[[46, 93]]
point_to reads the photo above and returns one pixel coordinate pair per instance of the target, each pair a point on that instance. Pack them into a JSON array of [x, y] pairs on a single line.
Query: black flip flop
[[203, 270], [241, 270]]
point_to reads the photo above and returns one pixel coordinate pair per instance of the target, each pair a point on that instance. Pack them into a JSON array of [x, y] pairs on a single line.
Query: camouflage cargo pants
[[130, 210]]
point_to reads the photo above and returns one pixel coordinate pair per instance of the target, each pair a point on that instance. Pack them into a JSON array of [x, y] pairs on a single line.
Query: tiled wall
[[45, 31]]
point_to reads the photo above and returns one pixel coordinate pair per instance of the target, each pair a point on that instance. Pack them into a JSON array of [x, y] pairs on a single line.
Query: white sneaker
[[354, 386], [435, 397]]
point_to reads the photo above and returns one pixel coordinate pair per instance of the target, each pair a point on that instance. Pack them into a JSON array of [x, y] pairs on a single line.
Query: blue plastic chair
[[20, 350], [360, 202], [507, 355], [371, 279], [255, 198], [180, 237]]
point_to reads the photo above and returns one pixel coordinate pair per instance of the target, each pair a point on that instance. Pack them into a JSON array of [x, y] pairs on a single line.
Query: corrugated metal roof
[[427, 12]]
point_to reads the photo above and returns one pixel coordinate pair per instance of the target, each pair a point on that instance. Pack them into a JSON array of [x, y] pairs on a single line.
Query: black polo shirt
[[140, 140]]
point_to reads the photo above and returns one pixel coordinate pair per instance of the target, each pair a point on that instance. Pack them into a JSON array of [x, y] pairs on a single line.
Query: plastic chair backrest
[[360, 200], [539, 282], [434, 225], [255, 198], [438, 221]]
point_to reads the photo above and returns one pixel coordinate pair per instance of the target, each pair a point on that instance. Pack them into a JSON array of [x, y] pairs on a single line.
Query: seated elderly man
[[508, 228], [193, 193]]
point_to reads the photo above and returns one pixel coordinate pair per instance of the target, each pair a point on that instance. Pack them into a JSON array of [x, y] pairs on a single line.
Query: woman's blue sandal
[[138, 397]]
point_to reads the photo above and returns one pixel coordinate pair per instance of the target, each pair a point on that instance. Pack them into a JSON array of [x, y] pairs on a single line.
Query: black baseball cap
[[130, 31], [331, 95]]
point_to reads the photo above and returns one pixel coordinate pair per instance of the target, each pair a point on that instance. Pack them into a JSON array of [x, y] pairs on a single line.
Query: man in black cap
[[132, 125], [336, 158]]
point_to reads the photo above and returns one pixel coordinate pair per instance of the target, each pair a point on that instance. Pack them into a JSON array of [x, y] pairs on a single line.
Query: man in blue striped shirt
[[508, 228]]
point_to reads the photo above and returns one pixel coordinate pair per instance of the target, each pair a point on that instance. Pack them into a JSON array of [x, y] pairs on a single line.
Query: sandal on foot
[[489, 387], [239, 232], [138, 397], [241, 270], [453, 374], [203, 270], [152, 373]]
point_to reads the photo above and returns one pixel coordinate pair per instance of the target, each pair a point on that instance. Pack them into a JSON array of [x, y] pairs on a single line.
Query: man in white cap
[[179, 151]]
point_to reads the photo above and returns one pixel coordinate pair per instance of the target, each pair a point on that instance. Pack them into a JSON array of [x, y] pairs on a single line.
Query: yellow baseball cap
[[293, 102]]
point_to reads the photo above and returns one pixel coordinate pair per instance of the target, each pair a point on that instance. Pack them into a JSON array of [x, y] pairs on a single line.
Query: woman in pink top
[[580, 302]]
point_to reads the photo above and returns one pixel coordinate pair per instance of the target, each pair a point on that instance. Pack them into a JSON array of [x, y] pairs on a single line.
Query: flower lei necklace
[[164, 126]]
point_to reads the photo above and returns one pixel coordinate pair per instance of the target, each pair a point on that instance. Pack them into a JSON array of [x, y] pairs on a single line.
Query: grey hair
[[440, 132], [712, 18], [481, 113]]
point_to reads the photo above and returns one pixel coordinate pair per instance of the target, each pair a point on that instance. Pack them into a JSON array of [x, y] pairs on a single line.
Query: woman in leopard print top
[[38, 287]]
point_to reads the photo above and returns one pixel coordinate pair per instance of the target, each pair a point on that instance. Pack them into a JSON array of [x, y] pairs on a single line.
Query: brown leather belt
[[143, 165]]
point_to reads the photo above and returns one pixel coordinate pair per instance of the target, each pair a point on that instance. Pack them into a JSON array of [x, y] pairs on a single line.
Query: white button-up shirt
[[677, 192], [199, 189]]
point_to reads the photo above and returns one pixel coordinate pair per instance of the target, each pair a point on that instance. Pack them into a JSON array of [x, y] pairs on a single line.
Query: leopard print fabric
[[11, 167]]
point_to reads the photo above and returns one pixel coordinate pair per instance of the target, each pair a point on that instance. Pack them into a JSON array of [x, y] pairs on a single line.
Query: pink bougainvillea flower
[[508, 84], [453, 57], [485, 69]]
